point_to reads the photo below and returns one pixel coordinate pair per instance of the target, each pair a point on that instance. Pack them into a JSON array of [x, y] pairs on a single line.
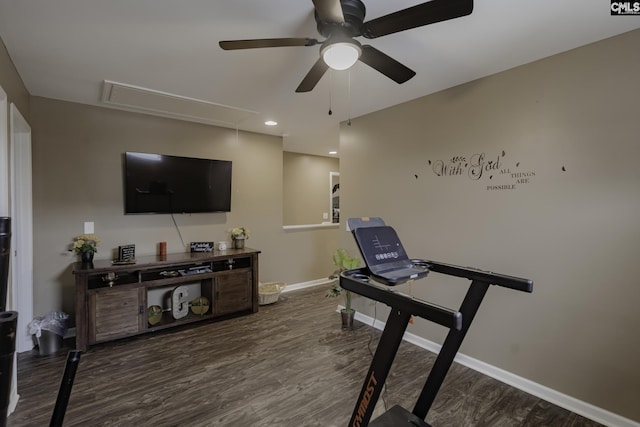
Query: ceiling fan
[[342, 20]]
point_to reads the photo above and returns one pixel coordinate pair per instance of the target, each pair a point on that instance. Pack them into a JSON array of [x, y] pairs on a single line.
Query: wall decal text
[[493, 169]]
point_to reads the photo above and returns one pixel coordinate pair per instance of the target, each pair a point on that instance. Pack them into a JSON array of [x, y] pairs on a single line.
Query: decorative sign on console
[[202, 246], [127, 253], [493, 169]]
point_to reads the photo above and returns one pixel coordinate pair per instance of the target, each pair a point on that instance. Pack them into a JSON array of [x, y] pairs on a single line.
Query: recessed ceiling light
[[333, 152], [270, 123]]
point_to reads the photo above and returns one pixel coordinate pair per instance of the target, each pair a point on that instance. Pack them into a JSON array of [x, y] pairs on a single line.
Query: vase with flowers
[[238, 236], [86, 245]]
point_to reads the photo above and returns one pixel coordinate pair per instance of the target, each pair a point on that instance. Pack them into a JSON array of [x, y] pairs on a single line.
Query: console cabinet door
[[232, 292], [114, 313]]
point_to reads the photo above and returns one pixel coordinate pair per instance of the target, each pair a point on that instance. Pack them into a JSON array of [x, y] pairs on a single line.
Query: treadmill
[[403, 307]]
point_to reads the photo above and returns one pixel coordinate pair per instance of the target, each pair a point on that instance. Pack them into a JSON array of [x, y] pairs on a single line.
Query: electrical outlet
[[325, 215], [88, 227]]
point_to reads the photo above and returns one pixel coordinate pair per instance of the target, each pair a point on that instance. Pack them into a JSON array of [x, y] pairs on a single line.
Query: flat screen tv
[[157, 183]]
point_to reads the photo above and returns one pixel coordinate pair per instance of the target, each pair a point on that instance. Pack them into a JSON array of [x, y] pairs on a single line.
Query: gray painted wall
[[560, 207], [77, 177]]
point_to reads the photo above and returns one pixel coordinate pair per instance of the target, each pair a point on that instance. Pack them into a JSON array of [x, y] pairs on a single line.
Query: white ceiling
[[66, 49]]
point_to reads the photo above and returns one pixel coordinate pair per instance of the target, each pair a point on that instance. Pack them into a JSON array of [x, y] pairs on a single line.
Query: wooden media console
[[113, 301]]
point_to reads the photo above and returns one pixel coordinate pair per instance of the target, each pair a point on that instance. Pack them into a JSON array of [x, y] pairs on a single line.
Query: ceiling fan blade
[[313, 76], [259, 43], [386, 64], [417, 16], [329, 10]]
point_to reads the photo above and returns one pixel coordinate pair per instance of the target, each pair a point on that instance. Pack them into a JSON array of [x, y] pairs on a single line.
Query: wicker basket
[[269, 293]]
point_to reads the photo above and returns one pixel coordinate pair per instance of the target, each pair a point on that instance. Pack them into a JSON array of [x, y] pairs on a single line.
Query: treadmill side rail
[[402, 308]]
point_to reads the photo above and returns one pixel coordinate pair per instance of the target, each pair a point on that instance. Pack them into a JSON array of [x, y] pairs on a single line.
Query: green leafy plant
[[343, 261]]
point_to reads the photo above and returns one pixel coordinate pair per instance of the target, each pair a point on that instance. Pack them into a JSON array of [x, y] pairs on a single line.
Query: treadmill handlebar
[[517, 283], [357, 281]]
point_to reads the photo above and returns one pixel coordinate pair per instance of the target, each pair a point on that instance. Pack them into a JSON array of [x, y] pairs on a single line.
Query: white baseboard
[[309, 284], [562, 400]]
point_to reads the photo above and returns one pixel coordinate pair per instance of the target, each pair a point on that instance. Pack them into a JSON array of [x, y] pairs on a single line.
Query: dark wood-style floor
[[288, 365]]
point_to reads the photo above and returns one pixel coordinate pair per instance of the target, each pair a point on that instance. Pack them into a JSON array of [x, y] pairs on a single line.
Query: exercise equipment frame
[[402, 308]]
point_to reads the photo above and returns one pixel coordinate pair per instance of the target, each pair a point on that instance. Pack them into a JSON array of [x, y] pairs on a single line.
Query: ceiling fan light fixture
[[341, 55]]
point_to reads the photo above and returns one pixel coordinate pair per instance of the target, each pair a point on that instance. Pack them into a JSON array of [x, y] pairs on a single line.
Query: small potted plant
[[86, 245], [343, 261], [238, 236]]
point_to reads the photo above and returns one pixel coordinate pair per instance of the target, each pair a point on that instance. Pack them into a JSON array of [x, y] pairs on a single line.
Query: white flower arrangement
[[240, 233]]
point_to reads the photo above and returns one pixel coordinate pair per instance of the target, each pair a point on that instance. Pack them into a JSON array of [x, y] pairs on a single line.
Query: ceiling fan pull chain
[[330, 90], [349, 99]]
